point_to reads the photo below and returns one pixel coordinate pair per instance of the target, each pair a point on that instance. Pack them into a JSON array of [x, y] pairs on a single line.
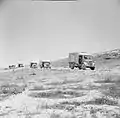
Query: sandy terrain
[[61, 93]]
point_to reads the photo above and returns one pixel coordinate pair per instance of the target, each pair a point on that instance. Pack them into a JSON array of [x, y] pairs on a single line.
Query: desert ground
[[60, 93]]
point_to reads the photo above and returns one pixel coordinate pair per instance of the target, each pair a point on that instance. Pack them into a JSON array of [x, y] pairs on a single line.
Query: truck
[[33, 65], [12, 66], [45, 64], [20, 65], [81, 60]]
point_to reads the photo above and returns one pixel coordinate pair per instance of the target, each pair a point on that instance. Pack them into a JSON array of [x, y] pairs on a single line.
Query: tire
[[83, 67], [79, 67], [71, 66], [92, 68]]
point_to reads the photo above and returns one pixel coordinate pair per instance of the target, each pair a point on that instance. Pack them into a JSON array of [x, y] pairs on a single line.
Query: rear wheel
[[71, 66]]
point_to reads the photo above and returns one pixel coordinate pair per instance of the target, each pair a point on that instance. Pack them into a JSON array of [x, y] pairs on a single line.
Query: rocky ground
[[60, 93]]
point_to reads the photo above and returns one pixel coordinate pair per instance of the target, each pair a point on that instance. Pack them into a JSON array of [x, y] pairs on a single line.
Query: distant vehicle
[[45, 64], [20, 65], [12, 66], [6, 68], [33, 65], [81, 60]]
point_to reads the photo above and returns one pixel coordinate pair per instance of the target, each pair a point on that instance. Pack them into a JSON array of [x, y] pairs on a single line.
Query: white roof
[[46, 60], [83, 53]]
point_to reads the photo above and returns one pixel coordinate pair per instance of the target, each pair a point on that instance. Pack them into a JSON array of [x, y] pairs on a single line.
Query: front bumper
[[89, 64]]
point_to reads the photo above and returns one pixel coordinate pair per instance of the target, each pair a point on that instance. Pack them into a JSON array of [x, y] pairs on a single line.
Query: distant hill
[[104, 59], [60, 63], [108, 58], [112, 54]]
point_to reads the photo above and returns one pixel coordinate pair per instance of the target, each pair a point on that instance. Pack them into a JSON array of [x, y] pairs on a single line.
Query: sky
[[50, 30]]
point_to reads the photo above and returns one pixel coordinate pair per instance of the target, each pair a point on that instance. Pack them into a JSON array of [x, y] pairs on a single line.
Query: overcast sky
[[50, 30]]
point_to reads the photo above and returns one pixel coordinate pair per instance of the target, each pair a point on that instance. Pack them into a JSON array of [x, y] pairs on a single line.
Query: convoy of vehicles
[[42, 64], [76, 60]]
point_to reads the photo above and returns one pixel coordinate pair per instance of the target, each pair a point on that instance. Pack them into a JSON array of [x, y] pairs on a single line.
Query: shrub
[[102, 101], [11, 89], [55, 115]]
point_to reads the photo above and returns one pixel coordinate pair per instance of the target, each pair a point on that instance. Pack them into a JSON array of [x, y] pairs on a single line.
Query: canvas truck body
[[81, 61], [73, 58]]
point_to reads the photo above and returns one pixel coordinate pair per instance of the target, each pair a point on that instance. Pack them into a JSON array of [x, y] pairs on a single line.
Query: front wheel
[[79, 67], [83, 67], [92, 68]]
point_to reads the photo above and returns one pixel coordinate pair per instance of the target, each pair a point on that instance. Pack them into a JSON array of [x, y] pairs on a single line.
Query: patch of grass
[[72, 116], [102, 101], [75, 103], [20, 78], [93, 87], [112, 90], [64, 82], [76, 87], [55, 115], [97, 101], [9, 89], [3, 114], [57, 94], [69, 106], [33, 73], [46, 95], [37, 88], [28, 116], [58, 106], [108, 78], [40, 88]]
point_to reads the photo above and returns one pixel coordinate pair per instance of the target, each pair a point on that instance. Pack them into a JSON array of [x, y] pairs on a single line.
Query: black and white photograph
[[59, 58]]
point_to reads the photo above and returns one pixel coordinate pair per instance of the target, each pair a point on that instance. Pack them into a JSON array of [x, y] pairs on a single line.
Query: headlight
[[93, 64], [85, 63]]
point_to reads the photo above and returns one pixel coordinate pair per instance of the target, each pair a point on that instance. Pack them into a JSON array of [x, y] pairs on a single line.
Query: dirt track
[[63, 93]]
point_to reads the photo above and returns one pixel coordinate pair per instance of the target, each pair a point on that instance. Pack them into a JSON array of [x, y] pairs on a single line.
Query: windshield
[[88, 57]]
